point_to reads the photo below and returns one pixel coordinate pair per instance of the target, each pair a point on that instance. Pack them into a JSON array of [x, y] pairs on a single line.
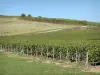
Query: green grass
[[18, 66]]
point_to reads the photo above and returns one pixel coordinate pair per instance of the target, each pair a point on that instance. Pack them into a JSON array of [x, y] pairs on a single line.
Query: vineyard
[[75, 48], [71, 45]]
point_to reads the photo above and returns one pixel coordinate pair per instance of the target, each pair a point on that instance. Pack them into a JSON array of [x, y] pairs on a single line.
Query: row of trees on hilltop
[[23, 15], [57, 20]]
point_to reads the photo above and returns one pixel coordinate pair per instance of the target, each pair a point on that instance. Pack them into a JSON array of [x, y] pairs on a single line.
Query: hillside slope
[[14, 26]]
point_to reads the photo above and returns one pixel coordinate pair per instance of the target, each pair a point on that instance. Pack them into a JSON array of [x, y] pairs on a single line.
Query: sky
[[70, 9]]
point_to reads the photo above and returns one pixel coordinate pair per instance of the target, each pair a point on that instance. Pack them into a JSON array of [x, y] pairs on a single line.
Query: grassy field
[[13, 65]]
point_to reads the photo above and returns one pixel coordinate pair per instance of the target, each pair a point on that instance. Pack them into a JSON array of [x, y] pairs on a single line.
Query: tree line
[[58, 20]]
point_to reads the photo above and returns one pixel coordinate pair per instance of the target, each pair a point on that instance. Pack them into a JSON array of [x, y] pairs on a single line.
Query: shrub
[[29, 15], [23, 15]]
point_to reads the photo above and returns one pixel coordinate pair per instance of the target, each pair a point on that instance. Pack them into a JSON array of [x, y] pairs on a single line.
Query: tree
[[23, 15], [39, 18], [29, 15]]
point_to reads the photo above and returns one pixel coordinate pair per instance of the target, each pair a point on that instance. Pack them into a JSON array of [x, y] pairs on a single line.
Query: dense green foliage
[[23, 15], [64, 41], [29, 15]]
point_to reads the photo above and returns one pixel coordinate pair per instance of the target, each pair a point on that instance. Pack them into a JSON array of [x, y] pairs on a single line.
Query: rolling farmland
[[64, 43]]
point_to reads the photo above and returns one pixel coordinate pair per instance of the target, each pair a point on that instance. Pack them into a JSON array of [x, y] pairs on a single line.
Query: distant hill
[[54, 20], [6, 16]]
